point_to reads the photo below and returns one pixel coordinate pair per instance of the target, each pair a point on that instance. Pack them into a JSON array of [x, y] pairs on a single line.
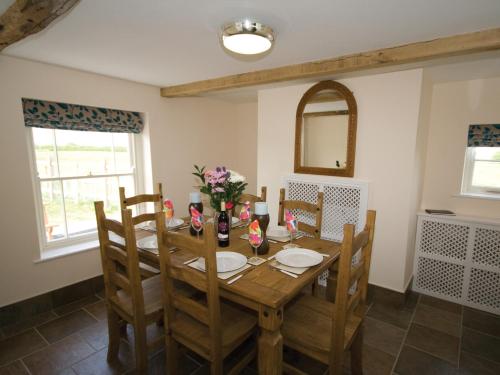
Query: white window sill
[[59, 252], [478, 196]]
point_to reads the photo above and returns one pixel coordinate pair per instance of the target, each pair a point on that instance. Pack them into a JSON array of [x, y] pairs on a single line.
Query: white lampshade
[[247, 38]]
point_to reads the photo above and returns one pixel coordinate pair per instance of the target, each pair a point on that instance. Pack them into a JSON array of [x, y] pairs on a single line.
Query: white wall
[[388, 118], [455, 106], [180, 133]]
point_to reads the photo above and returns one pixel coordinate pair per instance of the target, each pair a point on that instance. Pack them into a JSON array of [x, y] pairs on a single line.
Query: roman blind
[[484, 135], [53, 115]]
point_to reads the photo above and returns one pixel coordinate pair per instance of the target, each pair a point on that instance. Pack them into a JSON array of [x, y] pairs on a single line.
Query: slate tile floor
[[422, 336]]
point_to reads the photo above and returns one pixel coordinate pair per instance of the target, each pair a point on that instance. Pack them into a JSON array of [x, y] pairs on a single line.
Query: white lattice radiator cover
[[458, 259], [345, 201]]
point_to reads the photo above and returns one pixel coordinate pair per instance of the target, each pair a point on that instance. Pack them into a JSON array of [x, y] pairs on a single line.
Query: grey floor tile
[[471, 364], [96, 335], [23, 325], [412, 361], [482, 345], [15, 368], [434, 342], [157, 364], [482, 321], [375, 362], [440, 304], [383, 336], [58, 357], [18, 346], [438, 319], [97, 363], [395, 315], [76, 305], [66, 325], [97, 310]]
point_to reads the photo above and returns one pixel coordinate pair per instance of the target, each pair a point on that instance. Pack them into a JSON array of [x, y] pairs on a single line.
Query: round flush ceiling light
[[247, 37]]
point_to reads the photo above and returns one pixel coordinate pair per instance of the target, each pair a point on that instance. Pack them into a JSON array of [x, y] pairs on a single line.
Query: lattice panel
[[486, 247], [484, 288], [306, 192], [440, 277], [445, 239], [341, 206]]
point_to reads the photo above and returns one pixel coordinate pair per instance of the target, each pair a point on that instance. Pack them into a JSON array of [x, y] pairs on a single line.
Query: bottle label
[[223, 236], [223, 227]]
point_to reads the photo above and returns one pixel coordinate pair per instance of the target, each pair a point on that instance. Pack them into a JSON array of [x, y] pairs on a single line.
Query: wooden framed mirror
[[325, 131]]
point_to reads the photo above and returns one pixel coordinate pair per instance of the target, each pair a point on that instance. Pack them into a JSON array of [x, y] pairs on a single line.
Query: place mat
[[295, 270], [200, 266]]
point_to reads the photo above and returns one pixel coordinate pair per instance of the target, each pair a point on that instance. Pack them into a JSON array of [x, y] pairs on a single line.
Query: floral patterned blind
[[484, 135], [52, 115]]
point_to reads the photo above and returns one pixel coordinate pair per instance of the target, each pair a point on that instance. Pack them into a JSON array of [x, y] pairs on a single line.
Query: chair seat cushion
[[236, 326], [308, 323]]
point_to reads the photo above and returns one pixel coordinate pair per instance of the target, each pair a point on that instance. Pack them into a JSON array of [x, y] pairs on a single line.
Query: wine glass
[[255, 241], [197, 225], [292, 230]]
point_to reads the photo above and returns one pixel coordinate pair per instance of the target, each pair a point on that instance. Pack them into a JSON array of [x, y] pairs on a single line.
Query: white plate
[[234, 220], [149, 242], [226, 261], [174, 223], [299, 257], [277, 232]]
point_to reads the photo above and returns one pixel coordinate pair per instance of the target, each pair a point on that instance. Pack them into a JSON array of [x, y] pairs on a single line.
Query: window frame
[[135, 141], [467, 188]]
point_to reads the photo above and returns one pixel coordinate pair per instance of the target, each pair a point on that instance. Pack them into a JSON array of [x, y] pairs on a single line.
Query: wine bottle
[[195, 201], [223, 226]]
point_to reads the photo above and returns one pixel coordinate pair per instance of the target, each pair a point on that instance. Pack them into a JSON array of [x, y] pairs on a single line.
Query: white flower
[[235, 177]]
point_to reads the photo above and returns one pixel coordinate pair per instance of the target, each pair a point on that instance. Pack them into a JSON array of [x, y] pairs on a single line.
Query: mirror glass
[[325, 131], [325, 124]]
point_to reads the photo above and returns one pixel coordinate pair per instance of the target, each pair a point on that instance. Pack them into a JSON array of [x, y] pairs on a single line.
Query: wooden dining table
[[261, 288]]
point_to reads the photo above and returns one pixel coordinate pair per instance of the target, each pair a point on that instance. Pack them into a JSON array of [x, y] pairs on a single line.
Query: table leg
[[331, 282], [270, 341]]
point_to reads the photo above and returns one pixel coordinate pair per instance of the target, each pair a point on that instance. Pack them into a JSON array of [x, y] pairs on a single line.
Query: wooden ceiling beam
[[27, 17], [481, 41]]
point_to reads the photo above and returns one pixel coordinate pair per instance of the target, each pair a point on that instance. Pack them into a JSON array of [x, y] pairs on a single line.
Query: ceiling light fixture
[[247, 37]]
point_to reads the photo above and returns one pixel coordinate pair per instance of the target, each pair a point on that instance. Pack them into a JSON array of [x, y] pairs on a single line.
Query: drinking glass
[[292, 230], [255, 243], [197, 226]]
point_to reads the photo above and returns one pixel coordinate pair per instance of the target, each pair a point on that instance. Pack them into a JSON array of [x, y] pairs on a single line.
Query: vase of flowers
[[221, 184]]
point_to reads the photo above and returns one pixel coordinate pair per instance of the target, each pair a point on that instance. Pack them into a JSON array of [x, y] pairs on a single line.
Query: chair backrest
[[352, 283], [314, 209], [120, 262], [206, 282], [252, 199], [156, 198]]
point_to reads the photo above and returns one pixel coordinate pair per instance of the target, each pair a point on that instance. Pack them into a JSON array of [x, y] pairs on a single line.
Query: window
[[482, 171], [72, 170]]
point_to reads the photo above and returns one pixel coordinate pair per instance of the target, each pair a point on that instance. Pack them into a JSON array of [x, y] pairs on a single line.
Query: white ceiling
[[165, 42]]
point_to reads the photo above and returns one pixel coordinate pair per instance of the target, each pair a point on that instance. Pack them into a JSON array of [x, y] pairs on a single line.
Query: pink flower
[[229, 205]]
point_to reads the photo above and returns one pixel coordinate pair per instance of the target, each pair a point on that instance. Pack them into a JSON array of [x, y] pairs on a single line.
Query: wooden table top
[[260, 285]]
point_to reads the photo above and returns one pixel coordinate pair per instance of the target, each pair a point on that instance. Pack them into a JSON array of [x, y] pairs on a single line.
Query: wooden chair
[[314, 209], [323, 330], [156, 198], [147, 270], [128, 299], [208, 327], [245, 197]]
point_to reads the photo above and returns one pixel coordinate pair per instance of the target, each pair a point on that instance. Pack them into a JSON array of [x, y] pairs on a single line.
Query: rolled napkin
[[196, 218], [291, 222], [168, 208], [245, 211], [255, 234]]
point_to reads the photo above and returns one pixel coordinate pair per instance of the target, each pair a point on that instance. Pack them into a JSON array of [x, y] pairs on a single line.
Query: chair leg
[[216, 367], [113, 335], [172, 355], [357, 353], [141, 348]]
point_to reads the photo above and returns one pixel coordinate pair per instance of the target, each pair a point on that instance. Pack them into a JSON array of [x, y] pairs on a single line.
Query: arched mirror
[[325, 131]]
